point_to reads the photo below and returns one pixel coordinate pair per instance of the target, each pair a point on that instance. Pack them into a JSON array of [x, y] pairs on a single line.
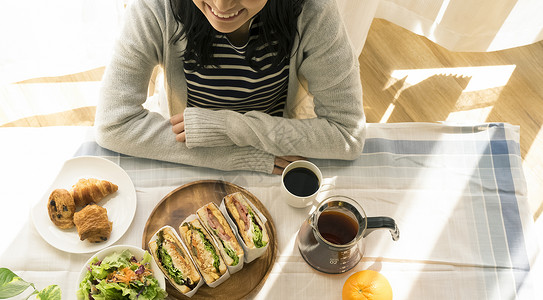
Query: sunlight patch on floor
[[475, 115], [387, 113], [486, 82], [481, 78]]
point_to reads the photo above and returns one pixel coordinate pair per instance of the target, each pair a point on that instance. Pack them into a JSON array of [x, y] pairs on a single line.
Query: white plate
[[137, 252], [121, 205]]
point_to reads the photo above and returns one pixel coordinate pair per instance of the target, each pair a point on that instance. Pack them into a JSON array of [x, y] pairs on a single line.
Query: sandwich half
[[213, 219], [250, 227], [174, 261], [202, 248]]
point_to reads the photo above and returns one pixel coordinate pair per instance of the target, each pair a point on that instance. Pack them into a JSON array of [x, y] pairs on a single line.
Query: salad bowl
[[121, 267]]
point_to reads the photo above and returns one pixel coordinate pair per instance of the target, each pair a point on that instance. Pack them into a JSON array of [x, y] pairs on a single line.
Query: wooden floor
[[406, 78]]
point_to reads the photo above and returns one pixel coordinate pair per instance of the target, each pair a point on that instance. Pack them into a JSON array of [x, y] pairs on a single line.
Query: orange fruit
[[367, 285]]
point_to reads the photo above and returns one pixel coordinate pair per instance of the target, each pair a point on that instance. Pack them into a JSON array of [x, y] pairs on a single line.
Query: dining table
[[457, 193]]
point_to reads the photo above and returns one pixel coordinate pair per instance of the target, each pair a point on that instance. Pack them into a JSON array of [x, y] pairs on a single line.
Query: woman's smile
[[224, 16], [227, 16]]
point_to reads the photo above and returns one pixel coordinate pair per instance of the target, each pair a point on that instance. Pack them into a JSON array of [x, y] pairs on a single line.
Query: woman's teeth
[[224, 16]]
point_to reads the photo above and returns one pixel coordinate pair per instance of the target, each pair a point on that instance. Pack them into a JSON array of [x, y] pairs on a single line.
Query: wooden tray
[[185, 200]]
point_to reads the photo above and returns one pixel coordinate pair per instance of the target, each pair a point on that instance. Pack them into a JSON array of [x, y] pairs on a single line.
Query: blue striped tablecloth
[[457, 193]]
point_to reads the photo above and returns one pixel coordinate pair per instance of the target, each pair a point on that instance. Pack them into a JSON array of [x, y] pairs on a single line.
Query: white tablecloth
[[457, 193]]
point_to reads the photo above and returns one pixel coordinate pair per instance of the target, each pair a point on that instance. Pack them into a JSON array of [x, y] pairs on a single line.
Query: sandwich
[[202, 248], [174, 261], [250, 227], [213, 219]]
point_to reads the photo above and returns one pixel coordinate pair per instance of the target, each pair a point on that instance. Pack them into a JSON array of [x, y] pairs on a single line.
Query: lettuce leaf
[[257, 232], [229, 250], [231, 253], [166, 260]]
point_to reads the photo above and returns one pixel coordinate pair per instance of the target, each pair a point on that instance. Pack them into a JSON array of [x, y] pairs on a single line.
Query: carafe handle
[[374, 223]]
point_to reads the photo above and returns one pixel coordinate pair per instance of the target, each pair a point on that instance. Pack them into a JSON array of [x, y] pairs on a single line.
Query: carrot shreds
[[127, 275]]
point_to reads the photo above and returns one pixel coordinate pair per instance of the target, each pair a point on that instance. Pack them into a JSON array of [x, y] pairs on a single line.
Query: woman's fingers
[[176, 119], [292, 158], [277, 171], [181, 137], [178, 127], [281, 162]]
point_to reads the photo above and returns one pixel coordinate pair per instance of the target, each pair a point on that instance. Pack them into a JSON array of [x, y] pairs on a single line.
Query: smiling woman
[[234, 72]]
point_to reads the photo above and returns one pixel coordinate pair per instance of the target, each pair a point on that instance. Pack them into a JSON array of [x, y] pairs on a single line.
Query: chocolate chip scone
[[61, 208], [93, 224]]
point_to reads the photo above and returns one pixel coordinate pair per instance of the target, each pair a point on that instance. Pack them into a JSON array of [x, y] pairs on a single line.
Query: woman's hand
[[281, 162], [178, 127]]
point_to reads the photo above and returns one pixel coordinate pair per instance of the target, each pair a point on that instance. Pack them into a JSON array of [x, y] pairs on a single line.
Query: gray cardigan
[[323, 116]]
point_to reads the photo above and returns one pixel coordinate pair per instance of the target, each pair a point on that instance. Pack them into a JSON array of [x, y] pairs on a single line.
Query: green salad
[[120, 276]]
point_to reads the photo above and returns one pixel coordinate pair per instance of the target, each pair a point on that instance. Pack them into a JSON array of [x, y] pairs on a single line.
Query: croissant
[[88, 191], [92, 224]]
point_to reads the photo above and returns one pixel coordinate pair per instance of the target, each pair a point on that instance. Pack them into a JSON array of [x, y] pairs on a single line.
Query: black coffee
[[301, 182], [337, 227]]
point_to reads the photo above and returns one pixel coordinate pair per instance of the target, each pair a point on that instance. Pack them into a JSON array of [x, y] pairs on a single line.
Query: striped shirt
[[234, 85]]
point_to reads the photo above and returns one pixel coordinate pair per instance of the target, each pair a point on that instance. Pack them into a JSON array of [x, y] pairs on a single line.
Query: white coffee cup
[[301, 186]]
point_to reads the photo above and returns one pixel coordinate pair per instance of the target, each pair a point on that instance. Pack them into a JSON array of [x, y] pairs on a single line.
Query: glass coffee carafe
[[331, 240]]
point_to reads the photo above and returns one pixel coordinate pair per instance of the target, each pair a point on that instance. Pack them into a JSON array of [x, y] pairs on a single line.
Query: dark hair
[[279, 18]]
